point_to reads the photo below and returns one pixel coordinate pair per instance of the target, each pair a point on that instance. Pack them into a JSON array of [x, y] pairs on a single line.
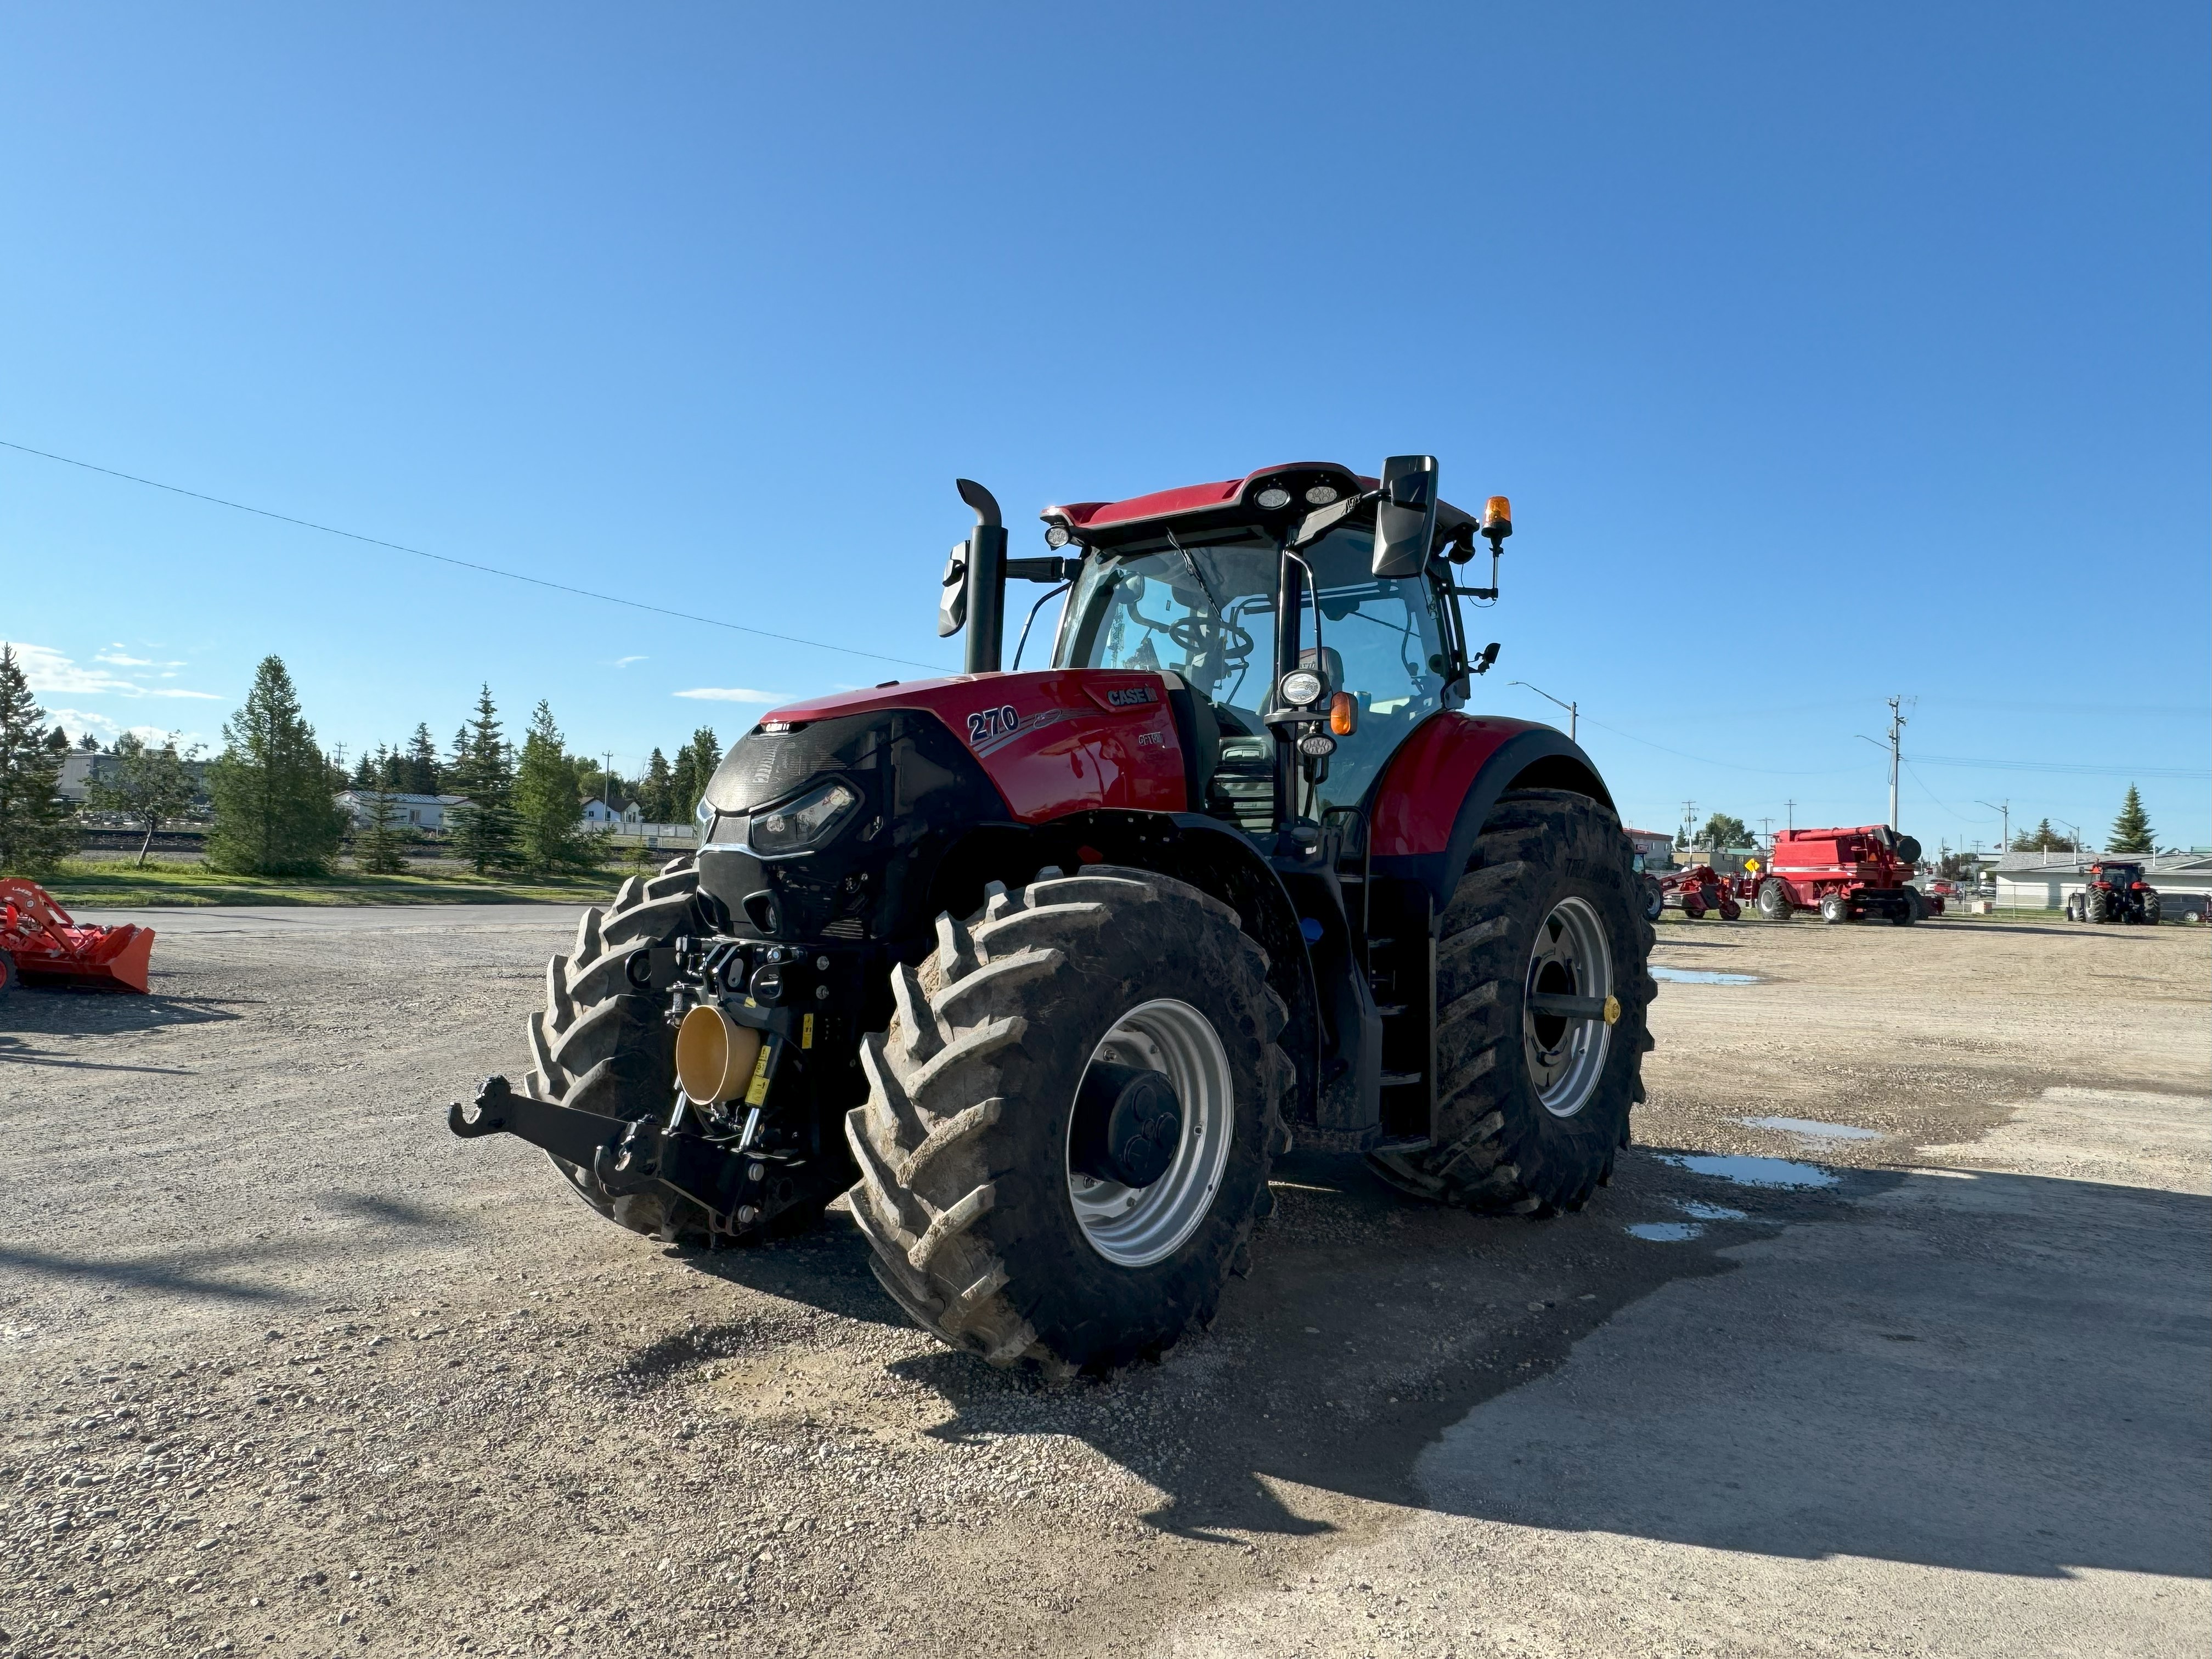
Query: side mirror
[[952, 603], [1405, 517]]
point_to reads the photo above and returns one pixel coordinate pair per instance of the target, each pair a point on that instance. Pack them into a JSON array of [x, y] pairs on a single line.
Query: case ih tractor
[[1846, 875], [2114, 892], [1048, 967]]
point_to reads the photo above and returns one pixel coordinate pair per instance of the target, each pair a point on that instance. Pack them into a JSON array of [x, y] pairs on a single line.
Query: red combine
[[40, 944], [1048, 967], [1698, 889], [1846, 874]]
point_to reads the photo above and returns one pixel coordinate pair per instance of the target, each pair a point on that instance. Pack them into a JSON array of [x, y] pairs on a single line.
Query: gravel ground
[[285, 1369]]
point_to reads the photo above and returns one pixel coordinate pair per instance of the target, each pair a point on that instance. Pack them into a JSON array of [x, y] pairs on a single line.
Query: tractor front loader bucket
[[50, 948]]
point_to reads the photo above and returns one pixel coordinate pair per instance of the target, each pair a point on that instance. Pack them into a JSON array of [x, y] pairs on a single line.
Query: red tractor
[[1048, 967], [1698, 889], [1846, 875], [2115, 892]]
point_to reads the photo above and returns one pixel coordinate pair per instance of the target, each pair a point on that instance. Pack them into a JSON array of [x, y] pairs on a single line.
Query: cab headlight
[[805, 823], [1301, 686]]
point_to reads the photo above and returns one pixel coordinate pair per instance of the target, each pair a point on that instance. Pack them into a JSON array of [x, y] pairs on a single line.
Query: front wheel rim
[[1137, 1226], [1566, 1055]]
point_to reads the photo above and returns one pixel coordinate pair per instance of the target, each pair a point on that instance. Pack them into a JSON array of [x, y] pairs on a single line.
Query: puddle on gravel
[[1805, 1128], [1664, 1232], [1701, 976], [1752, 1171], [1703, 1212]]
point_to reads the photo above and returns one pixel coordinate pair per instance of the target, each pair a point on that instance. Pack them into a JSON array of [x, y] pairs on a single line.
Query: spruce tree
[[695, 764], [364, 775], [382, 846], [58, 741], [35, 834], [422, 770], [275, 810], [654, 793], [2131, 830], [90, 744], [484, 771], [548, 806]]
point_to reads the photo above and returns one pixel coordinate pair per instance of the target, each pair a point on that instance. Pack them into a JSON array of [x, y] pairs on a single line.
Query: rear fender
[[1439, 788]]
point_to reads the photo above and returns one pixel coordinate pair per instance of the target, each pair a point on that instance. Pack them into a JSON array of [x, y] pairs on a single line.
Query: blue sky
[[1825, 354]]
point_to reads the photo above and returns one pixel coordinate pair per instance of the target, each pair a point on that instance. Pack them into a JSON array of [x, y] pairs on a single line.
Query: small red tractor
[[1844, 874], [41, 944], [1048, 967], [1701, 888], [2115, 892]]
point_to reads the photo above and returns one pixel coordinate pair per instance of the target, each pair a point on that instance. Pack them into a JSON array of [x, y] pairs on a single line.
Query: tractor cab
[[2122, 878], [1309, 612]]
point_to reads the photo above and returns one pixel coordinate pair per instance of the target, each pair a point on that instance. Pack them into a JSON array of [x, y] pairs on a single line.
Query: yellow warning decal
[[806, 1031], [756, 1093]]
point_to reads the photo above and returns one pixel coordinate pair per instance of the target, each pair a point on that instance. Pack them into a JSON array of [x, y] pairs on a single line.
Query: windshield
[[1207, 613]]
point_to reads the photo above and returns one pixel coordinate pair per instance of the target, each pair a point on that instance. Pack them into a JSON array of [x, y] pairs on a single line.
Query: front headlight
[[805, 823]]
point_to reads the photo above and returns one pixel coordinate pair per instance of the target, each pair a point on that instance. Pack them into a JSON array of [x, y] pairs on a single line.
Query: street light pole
[[1548, 697], [2003, 810]]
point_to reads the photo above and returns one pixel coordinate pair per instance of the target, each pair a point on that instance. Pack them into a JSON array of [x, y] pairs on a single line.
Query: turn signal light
[[1344, 713]]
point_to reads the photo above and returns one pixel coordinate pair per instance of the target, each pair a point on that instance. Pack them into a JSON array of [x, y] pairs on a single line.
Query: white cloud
[[49, 670], [624, 662], [78, 721], [114, 654], [730, 693]]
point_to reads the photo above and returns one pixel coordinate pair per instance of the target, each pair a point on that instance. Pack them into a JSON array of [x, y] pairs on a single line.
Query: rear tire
[[1692, 909], [8, 975], [1730, 910], [2096, 905], [2150, 910], [1835, 909], [967, 1194], [600, 1046], [1531, 1108], [1774, 899], [1655, 898]]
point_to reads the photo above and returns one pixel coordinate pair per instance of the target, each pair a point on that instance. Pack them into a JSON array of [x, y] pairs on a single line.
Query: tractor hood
[[828, 819]]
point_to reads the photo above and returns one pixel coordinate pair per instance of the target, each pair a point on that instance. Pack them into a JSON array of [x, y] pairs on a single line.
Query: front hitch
[[623, 1155]]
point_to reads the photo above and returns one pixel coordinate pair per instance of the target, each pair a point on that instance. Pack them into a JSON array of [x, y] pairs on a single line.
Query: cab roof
[[1099, 523]]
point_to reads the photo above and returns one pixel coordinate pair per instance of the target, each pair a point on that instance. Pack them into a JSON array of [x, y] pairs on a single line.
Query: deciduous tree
[[145, 783]]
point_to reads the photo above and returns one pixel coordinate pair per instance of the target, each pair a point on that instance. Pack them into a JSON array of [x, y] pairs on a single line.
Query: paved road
[[1946, 1395]]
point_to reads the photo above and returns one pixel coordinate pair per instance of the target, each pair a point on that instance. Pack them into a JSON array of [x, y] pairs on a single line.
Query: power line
[[2065, 766], [465, 564]]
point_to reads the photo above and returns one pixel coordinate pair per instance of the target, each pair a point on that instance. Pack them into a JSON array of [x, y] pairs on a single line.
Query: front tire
[[1774, 899], [1835, 909], [982, 1228], [600, 1046], [1532, 1108]]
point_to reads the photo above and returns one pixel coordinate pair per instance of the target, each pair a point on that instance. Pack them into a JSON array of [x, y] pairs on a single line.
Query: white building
[[415, 811]]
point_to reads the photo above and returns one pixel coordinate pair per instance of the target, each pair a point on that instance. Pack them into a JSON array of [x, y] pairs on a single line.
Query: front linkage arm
[[626, 1155]]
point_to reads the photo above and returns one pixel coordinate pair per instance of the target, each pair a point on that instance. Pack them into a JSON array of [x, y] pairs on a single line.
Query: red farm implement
[[1847, 875], [1700, 889], [41, 944]]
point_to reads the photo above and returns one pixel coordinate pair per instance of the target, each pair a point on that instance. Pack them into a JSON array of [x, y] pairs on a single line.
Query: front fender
[[1434, 796]]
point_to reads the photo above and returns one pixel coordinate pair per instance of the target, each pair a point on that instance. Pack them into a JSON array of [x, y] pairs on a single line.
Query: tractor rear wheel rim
[[1137, 1226], [1566, 1055]]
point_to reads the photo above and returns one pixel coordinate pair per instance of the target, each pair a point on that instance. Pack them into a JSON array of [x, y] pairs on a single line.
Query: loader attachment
[[50, 948]]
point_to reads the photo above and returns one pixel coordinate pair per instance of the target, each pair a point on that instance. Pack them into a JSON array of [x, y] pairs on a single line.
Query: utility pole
[[607, 781], [1790, 807], [2003, 810], [1896, 729], [1548, 697], [1767, 833]]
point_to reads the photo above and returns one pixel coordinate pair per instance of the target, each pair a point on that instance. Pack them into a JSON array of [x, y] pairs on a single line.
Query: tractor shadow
[[1994, 1372], [40, 1011]]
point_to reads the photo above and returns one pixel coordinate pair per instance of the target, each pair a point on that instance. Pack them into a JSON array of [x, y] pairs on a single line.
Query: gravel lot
[[285, 1369]]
